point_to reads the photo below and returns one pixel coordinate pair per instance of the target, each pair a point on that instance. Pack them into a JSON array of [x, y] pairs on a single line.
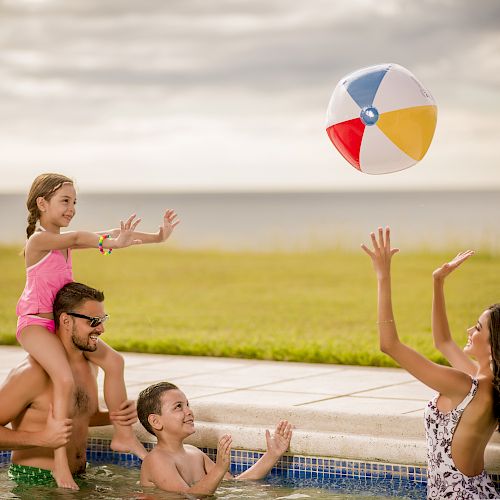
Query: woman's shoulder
[[482, 405], [485, 388]]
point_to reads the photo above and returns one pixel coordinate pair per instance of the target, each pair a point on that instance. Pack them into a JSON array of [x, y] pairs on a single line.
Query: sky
[[223, 95]]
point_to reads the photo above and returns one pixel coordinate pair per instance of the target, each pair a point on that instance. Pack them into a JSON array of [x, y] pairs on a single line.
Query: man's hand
[[278, 443], [126, 415], [56, 432]]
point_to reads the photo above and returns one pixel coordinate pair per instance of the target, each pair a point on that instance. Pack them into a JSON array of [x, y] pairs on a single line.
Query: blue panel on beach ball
[[363, 87]]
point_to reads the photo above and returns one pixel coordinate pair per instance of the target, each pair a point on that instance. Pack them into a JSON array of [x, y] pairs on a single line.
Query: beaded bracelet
[[101, 239]]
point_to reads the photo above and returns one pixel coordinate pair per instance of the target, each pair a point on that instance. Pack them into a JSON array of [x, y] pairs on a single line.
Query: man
[[26, 394]]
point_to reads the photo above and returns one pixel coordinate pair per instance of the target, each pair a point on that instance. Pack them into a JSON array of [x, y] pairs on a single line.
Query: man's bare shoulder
[[23, 385], [28, 374]]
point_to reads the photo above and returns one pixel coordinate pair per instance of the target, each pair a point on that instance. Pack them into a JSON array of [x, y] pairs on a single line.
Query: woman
[[461, 419]]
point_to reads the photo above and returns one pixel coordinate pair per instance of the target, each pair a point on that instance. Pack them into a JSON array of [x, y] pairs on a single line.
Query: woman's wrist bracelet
[[385, 321], [99, 245]]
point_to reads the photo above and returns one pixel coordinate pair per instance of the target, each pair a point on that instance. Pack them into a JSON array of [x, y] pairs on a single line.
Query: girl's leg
[[115, 393], [47, 349]]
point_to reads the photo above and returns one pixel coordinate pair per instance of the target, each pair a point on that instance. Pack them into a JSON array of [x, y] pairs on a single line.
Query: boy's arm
[[164, 474], [276, 446]]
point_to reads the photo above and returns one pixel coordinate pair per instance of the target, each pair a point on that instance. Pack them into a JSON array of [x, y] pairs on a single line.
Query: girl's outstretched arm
[[42, 241], [440, 328], [165, 230], [448, 381]]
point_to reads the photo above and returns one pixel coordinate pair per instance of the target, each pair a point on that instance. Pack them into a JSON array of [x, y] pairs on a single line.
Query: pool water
[[120, 481]]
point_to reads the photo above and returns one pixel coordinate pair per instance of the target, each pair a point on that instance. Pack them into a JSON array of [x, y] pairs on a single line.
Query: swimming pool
[[111, 481], [113, 475]]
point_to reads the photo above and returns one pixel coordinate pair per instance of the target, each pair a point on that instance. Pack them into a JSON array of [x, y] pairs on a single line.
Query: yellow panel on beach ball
[[411, 129]]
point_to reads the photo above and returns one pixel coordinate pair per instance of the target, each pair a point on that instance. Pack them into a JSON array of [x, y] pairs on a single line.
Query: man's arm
[[17, 392], [126, 415]]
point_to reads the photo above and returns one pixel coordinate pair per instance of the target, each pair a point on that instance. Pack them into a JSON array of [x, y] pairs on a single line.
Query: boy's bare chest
[[190, 468]]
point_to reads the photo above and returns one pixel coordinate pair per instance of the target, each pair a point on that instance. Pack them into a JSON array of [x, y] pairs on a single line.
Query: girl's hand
[[126, 235], [223, 460], [278, 443], [169, 222], [382, 252], [441, 272]]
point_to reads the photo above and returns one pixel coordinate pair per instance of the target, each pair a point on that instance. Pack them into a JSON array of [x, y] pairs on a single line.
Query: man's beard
[[80, 344]]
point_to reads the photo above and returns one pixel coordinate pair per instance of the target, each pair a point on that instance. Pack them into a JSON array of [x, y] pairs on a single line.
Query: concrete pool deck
[[351, 412]]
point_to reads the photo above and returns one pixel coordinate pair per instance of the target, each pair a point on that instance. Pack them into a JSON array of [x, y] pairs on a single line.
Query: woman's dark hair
[[495, 357], [149, 402]]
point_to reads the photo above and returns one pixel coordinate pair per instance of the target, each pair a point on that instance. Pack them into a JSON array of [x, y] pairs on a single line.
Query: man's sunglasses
[[93, 320]]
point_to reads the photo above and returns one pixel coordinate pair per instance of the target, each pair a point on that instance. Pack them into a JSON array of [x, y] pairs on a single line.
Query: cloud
[[154, 75]]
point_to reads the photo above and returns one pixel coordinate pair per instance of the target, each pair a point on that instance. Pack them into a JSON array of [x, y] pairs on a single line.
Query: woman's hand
[[442, 272], [382, 252]]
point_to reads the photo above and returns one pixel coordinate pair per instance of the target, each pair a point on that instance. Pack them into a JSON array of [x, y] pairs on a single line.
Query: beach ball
[[381, 119]]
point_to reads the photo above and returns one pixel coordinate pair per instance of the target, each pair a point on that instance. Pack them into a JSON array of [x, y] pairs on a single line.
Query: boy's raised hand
[[169, 222], [223, 460], [279, 442]]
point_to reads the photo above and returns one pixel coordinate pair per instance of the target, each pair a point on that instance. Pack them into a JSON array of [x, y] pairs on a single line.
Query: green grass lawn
[[311, 306]]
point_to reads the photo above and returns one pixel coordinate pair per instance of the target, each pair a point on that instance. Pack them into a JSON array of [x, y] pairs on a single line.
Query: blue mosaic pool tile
[[5, 457], [289, 466]]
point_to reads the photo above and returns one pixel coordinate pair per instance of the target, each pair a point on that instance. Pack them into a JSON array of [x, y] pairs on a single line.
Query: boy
[[173, 466]]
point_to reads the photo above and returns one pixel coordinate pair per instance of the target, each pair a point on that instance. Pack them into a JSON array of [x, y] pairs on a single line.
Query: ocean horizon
[[289, 221]]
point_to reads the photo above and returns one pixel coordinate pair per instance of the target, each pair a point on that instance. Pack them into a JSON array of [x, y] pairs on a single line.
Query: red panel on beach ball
[[346, 137]]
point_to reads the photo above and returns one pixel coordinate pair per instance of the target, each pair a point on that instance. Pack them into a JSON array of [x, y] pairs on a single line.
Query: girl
[[460, 420], [51, 201]]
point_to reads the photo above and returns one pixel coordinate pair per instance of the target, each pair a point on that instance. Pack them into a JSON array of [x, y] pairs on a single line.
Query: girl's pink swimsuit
[[43, 280]]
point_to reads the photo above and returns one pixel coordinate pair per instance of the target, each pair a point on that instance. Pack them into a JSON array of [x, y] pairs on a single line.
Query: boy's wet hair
[[149, 402]]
